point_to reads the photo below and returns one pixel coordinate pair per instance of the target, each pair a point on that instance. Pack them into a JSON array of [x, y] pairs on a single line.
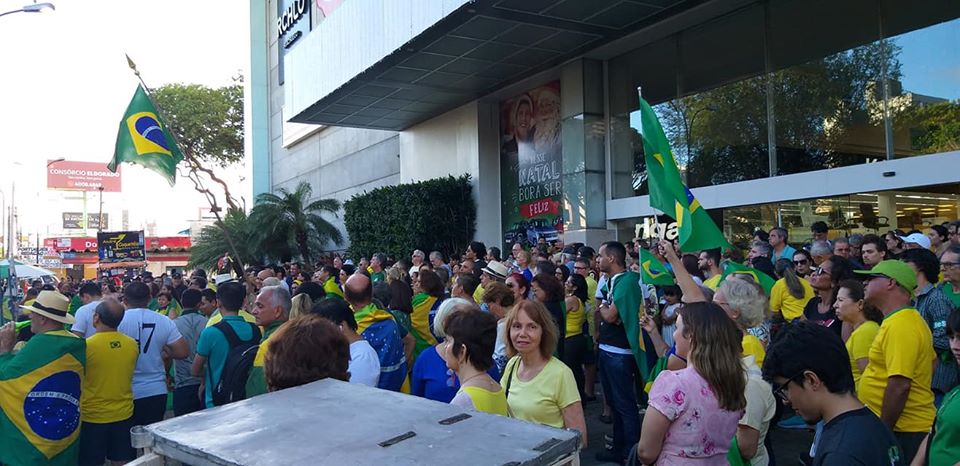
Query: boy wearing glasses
[[950, 266], [809, 367]]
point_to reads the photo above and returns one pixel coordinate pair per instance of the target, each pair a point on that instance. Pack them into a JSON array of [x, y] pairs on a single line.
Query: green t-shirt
[[952, 294], [213, 345], [945, 442]]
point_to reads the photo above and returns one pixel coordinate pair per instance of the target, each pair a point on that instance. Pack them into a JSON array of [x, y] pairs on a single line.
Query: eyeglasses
[[821, 271], [800, 262], [778, 390], [949, 265], [579, 267]]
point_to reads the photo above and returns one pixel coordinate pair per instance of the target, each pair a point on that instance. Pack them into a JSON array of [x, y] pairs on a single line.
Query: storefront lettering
[[651, 229], [290, 16]]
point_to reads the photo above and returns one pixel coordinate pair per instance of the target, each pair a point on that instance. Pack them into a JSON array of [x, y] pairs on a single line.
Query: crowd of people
[[856, 338]]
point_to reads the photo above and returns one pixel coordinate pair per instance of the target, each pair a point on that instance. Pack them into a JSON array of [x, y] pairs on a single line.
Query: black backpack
[[236, 369]]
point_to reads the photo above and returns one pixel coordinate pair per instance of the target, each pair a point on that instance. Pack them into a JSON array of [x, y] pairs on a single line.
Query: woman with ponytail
[[790, 294]]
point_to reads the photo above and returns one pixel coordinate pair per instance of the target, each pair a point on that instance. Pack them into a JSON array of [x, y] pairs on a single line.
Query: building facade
[[779, 112]]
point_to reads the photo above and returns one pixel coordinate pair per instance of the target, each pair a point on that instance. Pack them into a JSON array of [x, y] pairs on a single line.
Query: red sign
[[82, 176], [545, 206]]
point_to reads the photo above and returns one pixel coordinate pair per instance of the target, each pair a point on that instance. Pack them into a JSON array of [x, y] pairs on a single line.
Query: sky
[[929, 65], [65, 84]]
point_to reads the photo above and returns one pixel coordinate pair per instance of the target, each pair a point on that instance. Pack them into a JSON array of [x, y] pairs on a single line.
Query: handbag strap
[[510, 376]]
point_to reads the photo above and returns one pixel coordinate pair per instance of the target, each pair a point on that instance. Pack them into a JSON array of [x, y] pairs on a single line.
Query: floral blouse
[[700, 432]]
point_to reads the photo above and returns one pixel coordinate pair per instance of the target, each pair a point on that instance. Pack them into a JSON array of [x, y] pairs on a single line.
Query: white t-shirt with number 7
[[152, 332]]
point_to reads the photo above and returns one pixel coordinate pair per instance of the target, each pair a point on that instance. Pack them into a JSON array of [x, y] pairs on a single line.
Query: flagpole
[[237, 268]]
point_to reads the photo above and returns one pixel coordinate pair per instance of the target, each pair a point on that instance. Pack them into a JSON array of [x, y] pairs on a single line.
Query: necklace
[[463, 382]]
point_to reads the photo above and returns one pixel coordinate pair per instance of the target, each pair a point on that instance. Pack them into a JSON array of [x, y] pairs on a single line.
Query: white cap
[[917, 238], [225, 277]]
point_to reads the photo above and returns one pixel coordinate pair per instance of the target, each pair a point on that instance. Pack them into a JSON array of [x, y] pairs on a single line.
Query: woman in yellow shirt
[[468, 350], [575, 344], [789, 294], [744, 302], [539, 387], [865, 321]]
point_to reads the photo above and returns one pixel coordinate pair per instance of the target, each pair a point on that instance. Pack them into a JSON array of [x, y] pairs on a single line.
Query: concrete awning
[[467, 50]]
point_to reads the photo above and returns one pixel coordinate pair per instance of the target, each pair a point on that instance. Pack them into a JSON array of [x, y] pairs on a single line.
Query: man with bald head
[[379, 329]]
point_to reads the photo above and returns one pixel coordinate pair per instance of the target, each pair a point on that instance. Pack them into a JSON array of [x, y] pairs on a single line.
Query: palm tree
[[212, 242], [290, 216]]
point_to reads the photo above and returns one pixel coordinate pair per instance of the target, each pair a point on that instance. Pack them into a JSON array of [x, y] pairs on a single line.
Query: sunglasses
[[800, 262], [820, 271]]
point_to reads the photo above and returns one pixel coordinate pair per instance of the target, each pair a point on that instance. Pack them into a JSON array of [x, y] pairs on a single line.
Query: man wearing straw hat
[[40, 387]]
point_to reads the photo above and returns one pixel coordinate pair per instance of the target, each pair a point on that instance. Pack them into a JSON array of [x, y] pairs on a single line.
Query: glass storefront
[[877, 81], [877, 213]]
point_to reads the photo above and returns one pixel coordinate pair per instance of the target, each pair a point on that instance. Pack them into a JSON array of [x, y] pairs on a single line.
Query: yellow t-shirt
[[107, 394], [488, 402], [575, 321], [713, 282], [591, 304], [858, 346], [540, 399], [781, 299], [216, 317], [753, 347], [904, 347], [478, 294]]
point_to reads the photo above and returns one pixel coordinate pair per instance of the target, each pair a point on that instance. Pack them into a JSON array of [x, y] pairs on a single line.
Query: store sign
[[531, 166], [650, 228], [71, 244], [82, 176], [74, 221], [121, 246], [293, 22]]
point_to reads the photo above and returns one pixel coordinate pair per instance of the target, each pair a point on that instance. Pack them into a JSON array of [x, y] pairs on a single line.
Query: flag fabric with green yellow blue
[[765, 281], [697, 231], [40, 396], [143, 139], [626, 295], [652, 271]]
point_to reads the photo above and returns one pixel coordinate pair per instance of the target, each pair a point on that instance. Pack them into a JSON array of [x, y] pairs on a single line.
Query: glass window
[[925, 90]]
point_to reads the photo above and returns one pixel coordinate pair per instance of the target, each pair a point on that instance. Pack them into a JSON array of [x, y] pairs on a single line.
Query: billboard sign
[[82, 176], [74, 221], [531, 180], [121, 246]]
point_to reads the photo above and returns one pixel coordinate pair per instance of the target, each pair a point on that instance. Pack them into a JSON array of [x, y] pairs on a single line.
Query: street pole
[[11, 265], [100, 216], [84, 219]]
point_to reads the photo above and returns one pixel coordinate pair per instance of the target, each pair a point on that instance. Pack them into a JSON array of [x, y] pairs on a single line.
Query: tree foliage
[[290, 224], [212, 242], [208, 122], [438, 214], [933, 128]]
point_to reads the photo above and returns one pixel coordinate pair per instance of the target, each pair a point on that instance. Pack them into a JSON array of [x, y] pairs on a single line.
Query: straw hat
[[53, 305], [496, 270]]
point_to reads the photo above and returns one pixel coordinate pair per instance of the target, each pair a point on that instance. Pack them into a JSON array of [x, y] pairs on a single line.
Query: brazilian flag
[[765, 281], [332, 290], [421, 322], [668, 193], [40, 397], [653, 272], [628, 298], [144, 139]]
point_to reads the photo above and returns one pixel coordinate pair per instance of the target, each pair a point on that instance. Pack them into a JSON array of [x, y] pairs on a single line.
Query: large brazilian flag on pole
[[40, 397], [668, 193], [143, 139]]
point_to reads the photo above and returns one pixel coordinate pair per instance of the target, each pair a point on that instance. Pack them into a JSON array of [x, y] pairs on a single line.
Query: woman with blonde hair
[[301, 305], [694, 412], [539, 387]]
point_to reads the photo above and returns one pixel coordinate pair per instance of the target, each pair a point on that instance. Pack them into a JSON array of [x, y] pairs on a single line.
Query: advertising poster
[[531, 166], [121, 246]]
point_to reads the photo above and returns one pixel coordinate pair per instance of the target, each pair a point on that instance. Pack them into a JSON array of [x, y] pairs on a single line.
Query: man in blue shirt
[[778, 241], [213, 347]]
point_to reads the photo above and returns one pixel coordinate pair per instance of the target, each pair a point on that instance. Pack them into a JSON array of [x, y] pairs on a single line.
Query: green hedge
[[438, 214]]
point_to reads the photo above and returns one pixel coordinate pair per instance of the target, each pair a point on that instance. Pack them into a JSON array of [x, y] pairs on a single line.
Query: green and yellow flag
[[626, 295], [652, 271], [421, 320], [668, 193], [765, 281], [40, 396], [144, 139]]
